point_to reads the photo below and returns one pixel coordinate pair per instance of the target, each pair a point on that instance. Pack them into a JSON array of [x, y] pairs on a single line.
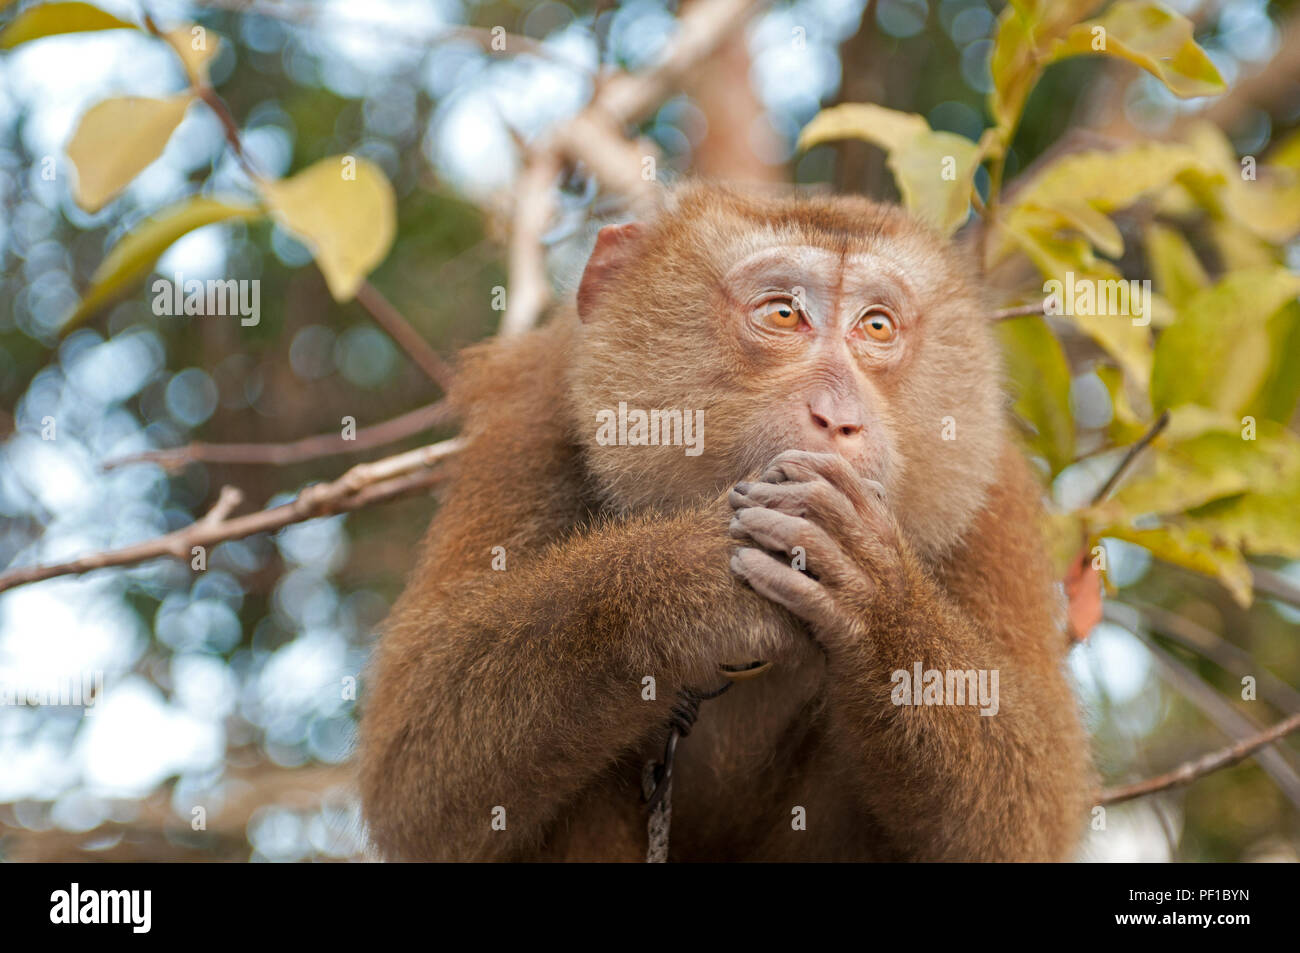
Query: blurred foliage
[[350, 134]]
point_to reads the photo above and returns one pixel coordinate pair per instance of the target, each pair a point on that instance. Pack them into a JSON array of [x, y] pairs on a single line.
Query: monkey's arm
[[951, 782], [518, 688]]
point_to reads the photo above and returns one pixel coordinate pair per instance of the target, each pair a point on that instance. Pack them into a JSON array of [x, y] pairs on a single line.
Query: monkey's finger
[[864, 492], [794, 536], [788, 467], [787, 587], [817, 501]]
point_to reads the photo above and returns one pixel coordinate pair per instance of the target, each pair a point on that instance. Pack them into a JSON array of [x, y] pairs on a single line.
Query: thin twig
[[1280, 765], [595, 137], [1019, 311], [1143, 442], [1206, 764], [296, 451], [363, 485], [1228, 656], [529, 290], [407, 338], [368, 296], [1274, 585]]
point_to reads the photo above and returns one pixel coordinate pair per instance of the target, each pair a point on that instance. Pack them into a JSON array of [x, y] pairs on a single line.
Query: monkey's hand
[[826, 546], [977, 787]]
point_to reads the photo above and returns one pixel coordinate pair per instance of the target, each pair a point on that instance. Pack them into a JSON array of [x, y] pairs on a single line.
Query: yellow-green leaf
[[1152, 37], [1126, 425], [1040, 381], [344, 210], [1110, 180], [1092, 225], [1196, 549], [1260, 523], [1177, 476], [52, 19], [133, 257], [1057, 259], [1222, 328], [1278, 396], [196, 49], [1177, 270], [1015, 69], [116, 139], [1285, 152], [934, 170]]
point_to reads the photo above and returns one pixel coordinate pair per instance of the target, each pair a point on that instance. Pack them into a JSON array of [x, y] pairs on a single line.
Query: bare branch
[[595, 137], [1228, 656], [363, 485], [297, 451], [1019, 311], [1278, 764], [1275, 585], [529, 289], [1133, 452], [368, 296], [406, 337], [1206, 764]]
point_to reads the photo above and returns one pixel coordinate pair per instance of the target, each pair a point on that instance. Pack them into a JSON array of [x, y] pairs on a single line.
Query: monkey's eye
[[878, 325], [778, 313]]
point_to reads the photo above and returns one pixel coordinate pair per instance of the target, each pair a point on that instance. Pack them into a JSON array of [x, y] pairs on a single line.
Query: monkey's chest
[[751, 765]]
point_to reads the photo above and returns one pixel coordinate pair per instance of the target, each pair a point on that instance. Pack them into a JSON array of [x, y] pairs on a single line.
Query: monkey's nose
[[835, 418]]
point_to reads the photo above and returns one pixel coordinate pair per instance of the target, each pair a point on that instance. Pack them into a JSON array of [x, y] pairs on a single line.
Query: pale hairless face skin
[[831, 320], [794, 338]]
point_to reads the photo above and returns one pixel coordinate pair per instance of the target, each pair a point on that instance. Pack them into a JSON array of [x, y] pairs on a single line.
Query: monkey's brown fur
[[522, 688]]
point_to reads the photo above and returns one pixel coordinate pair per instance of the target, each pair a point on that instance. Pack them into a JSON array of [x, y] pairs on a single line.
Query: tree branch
[[297, 451], [595, 137], [368, 296], [365, 484], [1019, 311], [1277, 764], [1206, 764], [407, 338], [1133, 452]]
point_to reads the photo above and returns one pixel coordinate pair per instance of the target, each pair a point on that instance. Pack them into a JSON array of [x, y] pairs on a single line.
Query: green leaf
[[344, 210], [116, 139], [1024, 30], [52, 19], [1181, 475], [1221, 327], [1259, 523], [1196, 549], [1015, 69], [1174, 265], [1040, 380], [1126, 426], [1280, 393], [934, 170], [134, 256], [1055, 258], [1109, 180], [1150, 36], [1285, 151]]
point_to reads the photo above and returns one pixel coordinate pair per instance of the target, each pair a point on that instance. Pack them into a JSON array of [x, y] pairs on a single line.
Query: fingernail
[[744, 487]]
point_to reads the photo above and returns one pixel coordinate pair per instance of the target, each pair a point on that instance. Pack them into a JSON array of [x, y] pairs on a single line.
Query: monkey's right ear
[[615, 246]]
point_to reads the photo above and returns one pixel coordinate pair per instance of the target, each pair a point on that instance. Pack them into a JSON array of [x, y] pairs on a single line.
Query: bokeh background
[[222, 689]]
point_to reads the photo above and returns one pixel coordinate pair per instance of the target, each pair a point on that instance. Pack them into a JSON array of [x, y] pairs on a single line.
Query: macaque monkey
[[852, 511]]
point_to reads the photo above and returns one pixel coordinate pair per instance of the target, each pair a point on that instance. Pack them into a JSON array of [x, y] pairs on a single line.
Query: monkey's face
[[827, 324]]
